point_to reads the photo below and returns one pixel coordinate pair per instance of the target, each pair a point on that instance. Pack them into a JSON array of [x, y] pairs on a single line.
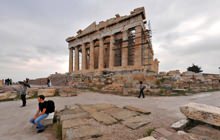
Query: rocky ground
[[164, 111]]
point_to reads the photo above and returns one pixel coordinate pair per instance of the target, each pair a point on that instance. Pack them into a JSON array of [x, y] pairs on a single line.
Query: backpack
[[50, 106]]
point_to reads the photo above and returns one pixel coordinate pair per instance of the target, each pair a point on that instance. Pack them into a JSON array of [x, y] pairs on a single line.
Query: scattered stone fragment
[[202, 112], [136, 109], [136, 122], [180, 132], [103, 118], [148, 138], [181, 124]]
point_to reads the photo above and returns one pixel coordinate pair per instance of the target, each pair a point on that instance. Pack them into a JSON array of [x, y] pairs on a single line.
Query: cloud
[[33, 33]]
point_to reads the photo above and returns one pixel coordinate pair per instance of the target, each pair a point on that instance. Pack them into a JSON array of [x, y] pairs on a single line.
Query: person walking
[[48, 82], [142, 87]]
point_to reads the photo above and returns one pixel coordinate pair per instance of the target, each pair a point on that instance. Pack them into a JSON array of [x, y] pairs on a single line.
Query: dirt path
[[14, 121]]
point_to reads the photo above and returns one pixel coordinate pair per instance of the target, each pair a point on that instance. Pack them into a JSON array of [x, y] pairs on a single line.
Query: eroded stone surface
[[81, 132], [80, 118], [123, 114], [137, 109], [74, 123], [136, 122], [202, 112], [74, 116], [103, 118]]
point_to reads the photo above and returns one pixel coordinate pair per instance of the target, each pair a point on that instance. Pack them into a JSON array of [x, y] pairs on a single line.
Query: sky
[[33, 32]]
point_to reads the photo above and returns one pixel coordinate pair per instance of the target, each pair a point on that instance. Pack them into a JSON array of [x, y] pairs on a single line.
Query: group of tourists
[[8, 82]]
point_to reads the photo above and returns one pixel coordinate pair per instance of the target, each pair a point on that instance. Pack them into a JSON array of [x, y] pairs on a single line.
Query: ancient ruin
[[117, 44]]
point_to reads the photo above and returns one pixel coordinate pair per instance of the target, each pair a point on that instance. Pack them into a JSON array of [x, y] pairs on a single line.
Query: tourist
[[142, 87], [23, 89], [41, 114], [49, 82]]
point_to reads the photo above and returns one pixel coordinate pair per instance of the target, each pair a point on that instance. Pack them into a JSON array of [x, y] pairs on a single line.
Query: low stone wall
[[127, 82]]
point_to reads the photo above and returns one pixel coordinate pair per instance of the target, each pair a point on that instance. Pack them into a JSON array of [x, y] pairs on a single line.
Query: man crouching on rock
[[41, 114]]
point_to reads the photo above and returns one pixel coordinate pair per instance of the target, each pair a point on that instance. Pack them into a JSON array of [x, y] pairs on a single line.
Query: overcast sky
[[33, 32]]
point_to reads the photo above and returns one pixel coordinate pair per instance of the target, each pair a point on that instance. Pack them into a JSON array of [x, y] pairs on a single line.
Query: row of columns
[[101, 56]]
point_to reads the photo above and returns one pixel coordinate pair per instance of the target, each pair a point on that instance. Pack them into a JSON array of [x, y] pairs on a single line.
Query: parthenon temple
[[117, 44]]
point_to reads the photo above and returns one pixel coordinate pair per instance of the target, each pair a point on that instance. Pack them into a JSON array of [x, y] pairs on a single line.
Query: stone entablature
[[120, 43]]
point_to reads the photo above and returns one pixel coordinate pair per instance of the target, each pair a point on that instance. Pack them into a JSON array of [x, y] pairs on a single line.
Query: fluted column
[[101, 54], [111, 52], [125, 48], [70, 60], [138, 44], [83, 57], [76, 59], [91, 59]]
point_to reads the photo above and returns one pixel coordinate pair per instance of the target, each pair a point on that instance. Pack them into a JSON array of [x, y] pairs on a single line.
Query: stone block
[[32, 91], [148, 138], [181, 124], [68, 92], [74, 116], [47, 92], [49, 119], [136, 122], [131, 108], [73, 123], [202, 112], [103, 118], [80, 133], [7, 96]]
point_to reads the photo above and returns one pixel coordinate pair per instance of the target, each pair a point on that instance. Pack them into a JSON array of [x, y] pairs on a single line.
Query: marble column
[[111, 52], [125, 48], [83, 56], [101, 54], [138, 46], [70, 60], [76, 59], [91, 54]]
